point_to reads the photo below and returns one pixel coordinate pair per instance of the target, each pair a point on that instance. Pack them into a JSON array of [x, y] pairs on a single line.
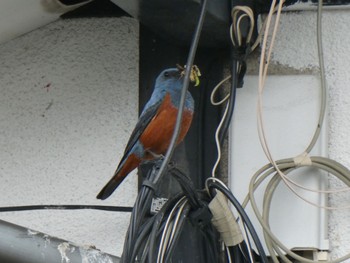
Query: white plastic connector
[[322, 256], [224, 221]]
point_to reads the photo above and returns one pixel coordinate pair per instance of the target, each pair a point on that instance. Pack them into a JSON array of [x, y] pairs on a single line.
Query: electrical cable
[[139, 217], [304, 157], [213, 184], [65, 207], [281, 168], [157, 225], [167, 229], [272, 241], [241, 32], [190, 206], [170, 226], [231, 102], [177, 233], [227, 230], [190, 60], [217, 140]]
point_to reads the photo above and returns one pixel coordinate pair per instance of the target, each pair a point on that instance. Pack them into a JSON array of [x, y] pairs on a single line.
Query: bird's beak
[[194, 75]]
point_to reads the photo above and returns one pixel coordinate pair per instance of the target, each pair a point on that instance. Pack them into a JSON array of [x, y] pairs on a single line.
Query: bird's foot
[[155, 155]]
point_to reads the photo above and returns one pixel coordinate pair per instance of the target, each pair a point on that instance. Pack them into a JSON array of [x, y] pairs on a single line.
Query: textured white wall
[[69, 99], [296, 47]]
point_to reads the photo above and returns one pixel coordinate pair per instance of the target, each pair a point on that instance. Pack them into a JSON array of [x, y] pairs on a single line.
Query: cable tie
[[241, 53], [149, 184], [302, 160]]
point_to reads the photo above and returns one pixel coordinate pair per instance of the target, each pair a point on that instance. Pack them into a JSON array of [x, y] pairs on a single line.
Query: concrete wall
[[69, 99]]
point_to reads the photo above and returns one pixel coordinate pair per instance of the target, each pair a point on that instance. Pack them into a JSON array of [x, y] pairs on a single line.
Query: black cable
[[235, 254], [244, 251], [138, 216], [142, 238], [187, 187], [66, 207], [180, 227], [231, 102], [239, 53], [244, 216], [190, 60], [211, 244], [159, 219], [238, 255]]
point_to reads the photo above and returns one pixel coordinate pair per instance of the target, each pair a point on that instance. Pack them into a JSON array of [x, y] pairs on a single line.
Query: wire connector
[[224, 221]]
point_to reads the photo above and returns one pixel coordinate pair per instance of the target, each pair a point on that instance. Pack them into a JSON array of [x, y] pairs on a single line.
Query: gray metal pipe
[[19, 244]]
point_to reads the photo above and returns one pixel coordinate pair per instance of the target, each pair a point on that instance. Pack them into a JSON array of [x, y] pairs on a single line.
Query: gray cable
[[274, 245], [189, 64]]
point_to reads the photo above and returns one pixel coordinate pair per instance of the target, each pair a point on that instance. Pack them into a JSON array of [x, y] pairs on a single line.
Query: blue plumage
[[154, 129]]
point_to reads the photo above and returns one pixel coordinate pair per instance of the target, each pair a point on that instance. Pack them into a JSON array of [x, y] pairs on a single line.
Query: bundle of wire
[[153, 238], [276, 171]]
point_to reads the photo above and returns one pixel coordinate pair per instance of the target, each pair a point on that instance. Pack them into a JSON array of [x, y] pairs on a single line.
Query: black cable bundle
[[239, 253], [139, 223], [153, 238]]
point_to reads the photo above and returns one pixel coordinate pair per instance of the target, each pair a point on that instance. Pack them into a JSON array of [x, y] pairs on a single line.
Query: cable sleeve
[[302, 160], [224, 221]]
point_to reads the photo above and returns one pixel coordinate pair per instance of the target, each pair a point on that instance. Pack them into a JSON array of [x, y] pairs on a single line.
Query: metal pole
[[19, 244]]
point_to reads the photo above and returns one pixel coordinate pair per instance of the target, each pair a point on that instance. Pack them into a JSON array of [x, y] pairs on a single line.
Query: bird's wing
[[145, 118]]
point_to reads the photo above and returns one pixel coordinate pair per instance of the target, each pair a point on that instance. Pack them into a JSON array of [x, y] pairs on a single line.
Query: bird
[[152, 134]]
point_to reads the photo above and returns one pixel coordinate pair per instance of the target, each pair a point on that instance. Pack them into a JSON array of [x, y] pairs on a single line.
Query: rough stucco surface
[[69, 96], [296, 47]]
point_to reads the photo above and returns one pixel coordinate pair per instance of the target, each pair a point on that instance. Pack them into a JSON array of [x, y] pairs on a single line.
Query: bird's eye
[[166, 74]]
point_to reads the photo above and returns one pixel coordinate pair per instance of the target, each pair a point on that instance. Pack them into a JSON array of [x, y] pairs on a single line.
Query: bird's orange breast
[[156, 137]]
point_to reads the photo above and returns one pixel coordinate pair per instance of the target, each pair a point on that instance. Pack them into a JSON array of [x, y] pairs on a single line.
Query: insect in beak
[[194, 75]]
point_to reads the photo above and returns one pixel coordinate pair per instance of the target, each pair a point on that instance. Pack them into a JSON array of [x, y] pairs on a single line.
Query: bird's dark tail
[[120, 174], [109, 188]]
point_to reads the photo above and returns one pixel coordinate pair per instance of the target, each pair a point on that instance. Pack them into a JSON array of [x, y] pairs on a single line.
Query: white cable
[[216, 103], [176, 222], [228, 255], [166, 234], [277, 248], [218, 142], [215, 180], [261, 132], [238, 14]]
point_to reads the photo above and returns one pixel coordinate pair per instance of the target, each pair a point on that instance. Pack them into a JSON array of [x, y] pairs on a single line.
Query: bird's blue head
[[170, 81], [170, 78]]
